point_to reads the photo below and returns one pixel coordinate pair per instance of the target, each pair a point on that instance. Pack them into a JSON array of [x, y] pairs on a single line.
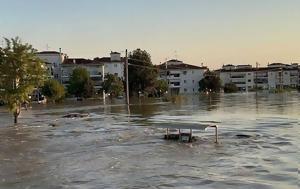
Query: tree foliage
[[113, 85], [142, 73], [211, 82], [20, 71], [88, 90], [53, 90], [230, 88], [161, 86], [80, 83]]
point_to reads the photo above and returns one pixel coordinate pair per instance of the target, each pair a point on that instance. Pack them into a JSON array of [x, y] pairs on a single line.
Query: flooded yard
[[114, 147]]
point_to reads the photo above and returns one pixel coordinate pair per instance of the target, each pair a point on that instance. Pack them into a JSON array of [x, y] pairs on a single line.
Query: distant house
[[182, 78]]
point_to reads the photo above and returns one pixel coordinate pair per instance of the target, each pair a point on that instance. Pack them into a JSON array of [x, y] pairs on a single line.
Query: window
[[184, 72], [116, 65], [184, 81], [116, 74], [193, 90], [185, 90], [249, 73], [193, 81], [175, 83], [249, 80]]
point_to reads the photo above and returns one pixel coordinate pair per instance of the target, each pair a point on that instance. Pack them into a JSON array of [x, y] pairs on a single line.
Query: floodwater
[[259, 144]]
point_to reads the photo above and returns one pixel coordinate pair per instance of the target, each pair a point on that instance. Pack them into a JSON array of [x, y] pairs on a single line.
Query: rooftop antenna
[[175, 54], [166, 63]]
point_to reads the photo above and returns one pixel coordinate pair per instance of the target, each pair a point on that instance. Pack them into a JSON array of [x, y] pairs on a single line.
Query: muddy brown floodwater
[[259, 144]]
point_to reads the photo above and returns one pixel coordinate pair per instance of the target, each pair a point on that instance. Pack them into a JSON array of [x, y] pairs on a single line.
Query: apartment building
[[113, 64], [241, 76], [53, 61], [95, 69], [182, 78], [276, 75]]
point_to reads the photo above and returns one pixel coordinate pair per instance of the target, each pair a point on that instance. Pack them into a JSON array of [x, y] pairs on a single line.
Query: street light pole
[[103, 91], [126, 75]]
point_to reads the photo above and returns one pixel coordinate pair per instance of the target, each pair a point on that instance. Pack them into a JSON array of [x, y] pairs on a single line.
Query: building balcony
[[173, 77], [174, 86], [237, 76], [96, 75], [238, 80]]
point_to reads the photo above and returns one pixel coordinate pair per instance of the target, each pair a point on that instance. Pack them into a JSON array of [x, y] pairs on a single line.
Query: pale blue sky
[[214, 32]]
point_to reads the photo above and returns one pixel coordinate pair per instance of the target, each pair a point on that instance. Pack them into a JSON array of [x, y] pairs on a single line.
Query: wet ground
[[109, 148]]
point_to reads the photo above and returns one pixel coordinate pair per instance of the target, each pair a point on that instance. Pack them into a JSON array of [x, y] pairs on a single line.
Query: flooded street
[[259, 144]]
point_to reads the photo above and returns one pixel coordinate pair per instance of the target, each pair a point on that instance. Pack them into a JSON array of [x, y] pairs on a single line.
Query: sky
[[212, 32]]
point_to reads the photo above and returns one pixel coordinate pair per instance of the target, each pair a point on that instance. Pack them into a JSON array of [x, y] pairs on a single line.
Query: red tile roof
[[78, 61], [255, 69], [89, 61], [48, 52], [107, 59], [179, 66]]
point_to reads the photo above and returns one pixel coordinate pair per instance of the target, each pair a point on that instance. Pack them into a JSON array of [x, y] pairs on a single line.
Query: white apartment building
[[97, 68], [276, 75], [113, 64], [182, 78], [241, 76], [94, 68], [53, 60]]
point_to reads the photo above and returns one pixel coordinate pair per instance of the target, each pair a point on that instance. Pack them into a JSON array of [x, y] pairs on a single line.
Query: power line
[[148, 67]]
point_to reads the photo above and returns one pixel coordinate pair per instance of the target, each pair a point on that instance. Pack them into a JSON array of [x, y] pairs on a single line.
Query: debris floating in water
[[76, 115]]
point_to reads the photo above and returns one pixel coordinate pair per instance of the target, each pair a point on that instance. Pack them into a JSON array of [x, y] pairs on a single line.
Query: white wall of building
[[95, 72], [54, 58], [190, 80], [182, 78], [116, 68]]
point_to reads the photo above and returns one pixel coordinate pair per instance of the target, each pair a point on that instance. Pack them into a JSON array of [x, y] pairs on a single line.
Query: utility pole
[[103, 91], [256, 76], [126, 75]]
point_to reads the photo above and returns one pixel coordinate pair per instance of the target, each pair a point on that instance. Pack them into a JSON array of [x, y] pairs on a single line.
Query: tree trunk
[[16, 114], [16, 119]]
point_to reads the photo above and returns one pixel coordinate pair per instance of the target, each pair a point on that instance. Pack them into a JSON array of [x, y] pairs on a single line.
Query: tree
[[80, 83], [88, 90], [113, 85], [161, 86], [142, 73], [53, 90], [230, 88], [20, 72], [210, 82]]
